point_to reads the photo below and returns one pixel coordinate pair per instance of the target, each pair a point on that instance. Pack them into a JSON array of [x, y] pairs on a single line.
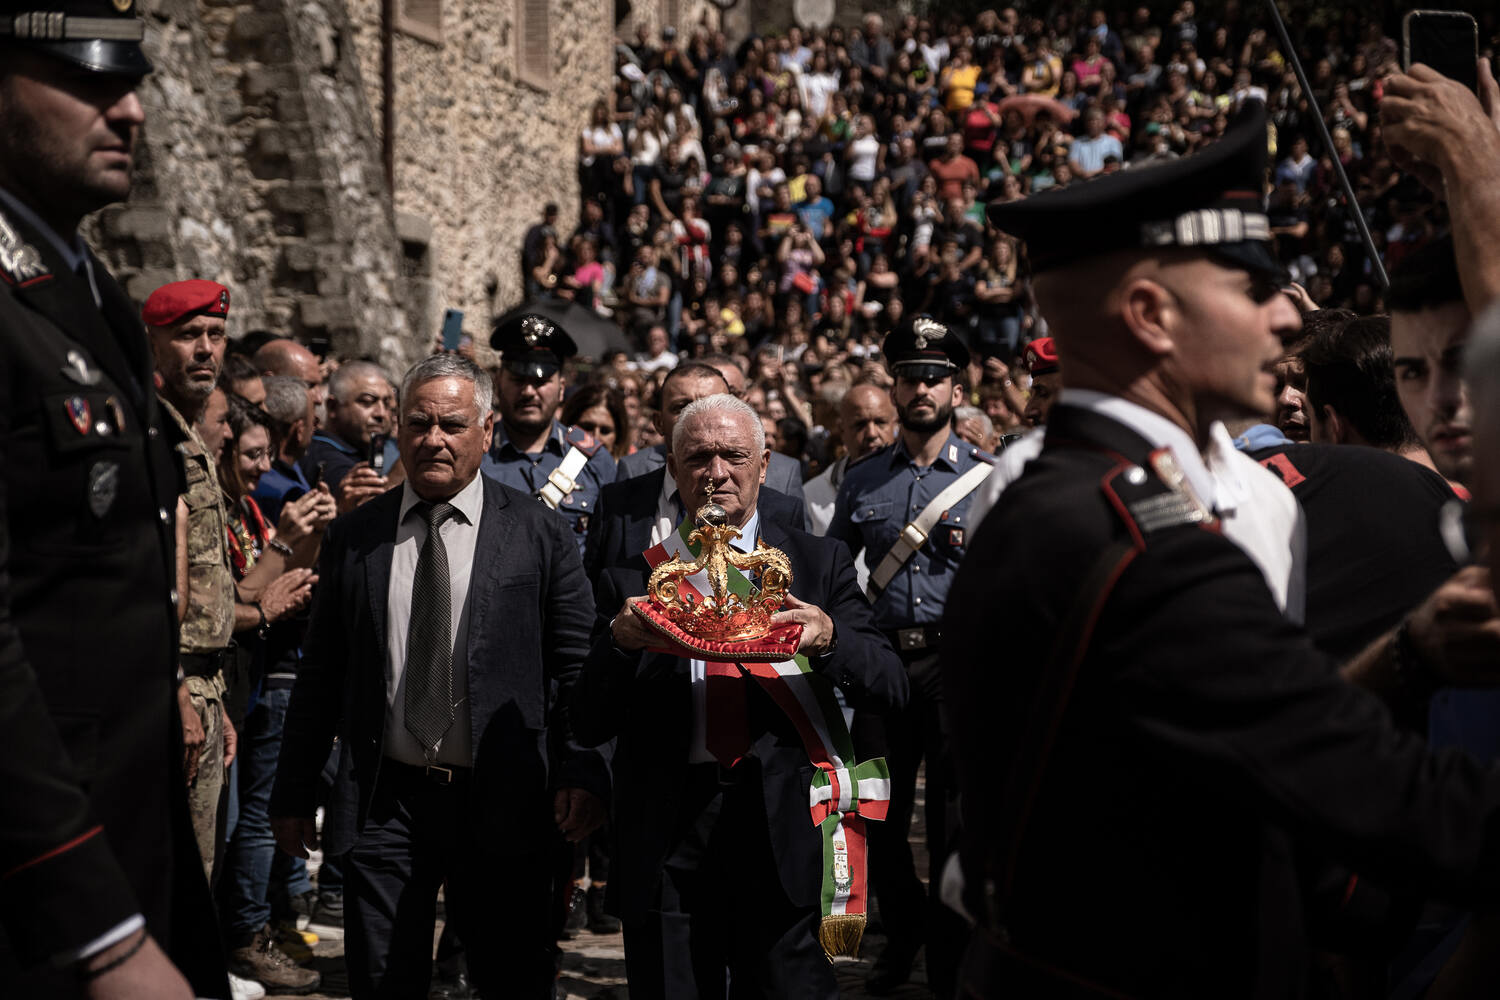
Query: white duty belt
[[563, 479], [915, 534]]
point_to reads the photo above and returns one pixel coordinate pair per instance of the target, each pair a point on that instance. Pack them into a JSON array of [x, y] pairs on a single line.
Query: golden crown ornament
[[722, 615]]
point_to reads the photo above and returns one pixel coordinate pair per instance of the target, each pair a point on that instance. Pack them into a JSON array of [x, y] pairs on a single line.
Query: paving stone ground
[[594, 965]]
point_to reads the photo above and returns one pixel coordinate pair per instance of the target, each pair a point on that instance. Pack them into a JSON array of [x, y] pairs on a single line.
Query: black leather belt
[[435, 774], [203, 664], [914, 639]]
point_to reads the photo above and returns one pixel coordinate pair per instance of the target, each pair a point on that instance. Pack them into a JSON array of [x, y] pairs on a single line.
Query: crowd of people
[[798, 195], [1154, 561]]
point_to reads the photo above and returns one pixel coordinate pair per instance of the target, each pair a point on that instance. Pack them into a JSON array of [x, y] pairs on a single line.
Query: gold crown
[[721, 616]]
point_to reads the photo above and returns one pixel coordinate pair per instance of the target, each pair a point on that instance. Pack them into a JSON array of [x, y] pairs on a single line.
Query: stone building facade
[[263, 161]]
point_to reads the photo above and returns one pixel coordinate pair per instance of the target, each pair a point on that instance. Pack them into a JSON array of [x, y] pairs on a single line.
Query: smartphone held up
[[1445, 40]]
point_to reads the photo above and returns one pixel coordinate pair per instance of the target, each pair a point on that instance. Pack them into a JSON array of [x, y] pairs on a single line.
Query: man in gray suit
[[784, 474]]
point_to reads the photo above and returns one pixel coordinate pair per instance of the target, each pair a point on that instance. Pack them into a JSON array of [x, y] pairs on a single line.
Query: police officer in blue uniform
[[561, 466], [907, 506]]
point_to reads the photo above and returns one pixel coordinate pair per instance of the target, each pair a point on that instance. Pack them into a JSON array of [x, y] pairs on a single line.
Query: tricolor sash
[[844, 793]]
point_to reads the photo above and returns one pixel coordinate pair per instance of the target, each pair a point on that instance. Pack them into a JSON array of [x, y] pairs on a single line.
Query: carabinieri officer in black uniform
[[563, 467], [99, 880], [1145, 764]]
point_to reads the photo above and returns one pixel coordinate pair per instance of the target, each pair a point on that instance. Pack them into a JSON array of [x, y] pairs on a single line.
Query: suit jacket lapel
[[378, 568], [490, 568], [642, 515]]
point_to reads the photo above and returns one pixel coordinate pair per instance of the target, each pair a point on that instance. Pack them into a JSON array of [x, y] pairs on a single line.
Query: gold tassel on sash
[[839, 934]]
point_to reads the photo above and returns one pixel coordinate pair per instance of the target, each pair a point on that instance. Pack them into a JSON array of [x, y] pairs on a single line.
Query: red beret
[[184, 299], [1041, 356]]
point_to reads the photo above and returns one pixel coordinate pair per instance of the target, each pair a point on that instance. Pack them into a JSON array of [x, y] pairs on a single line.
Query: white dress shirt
[[1256, 510], [460, 533]]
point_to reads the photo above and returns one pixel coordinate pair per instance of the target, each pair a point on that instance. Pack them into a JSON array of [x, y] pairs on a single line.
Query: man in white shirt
[[451, 619]]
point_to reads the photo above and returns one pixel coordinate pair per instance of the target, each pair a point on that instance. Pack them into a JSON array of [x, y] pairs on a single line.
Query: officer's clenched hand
[[287, 594], [360, 484], [817, 627], [1456, 631]]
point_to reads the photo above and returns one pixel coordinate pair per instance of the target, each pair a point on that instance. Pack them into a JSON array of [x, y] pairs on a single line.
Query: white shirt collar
[[1211, 474], [469, 501]]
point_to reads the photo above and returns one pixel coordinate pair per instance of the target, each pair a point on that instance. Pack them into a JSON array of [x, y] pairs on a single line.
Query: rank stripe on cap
[[55, 26]]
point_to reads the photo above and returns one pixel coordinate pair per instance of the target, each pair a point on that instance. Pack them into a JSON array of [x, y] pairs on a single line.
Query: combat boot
[[263, 961]]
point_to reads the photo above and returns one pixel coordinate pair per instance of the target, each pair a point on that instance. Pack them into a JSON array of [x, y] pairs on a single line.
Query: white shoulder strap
[[915, 533], [564, 478]]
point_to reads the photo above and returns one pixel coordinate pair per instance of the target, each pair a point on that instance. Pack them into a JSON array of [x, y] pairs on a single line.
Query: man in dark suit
[[636, 513], [1146, 769], [451, 617], [718, 869], [784, 474], [98, 876]]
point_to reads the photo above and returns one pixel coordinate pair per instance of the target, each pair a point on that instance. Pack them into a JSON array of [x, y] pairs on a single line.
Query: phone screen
[[376, 457], [1446, 40], [453, 329]]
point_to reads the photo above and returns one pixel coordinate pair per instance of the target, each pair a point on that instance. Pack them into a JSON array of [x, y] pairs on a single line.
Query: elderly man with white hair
[[720, 872]]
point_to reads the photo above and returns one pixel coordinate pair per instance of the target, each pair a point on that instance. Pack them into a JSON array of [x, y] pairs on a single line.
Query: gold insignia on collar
[[927, 329]]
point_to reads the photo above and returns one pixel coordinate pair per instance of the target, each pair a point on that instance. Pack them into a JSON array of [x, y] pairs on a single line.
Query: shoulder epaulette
[[1149, 501], [581, 439]]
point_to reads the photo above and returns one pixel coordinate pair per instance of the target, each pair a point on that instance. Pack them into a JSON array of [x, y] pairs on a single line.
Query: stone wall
[[256, 170], [480, 147], [260, 165]]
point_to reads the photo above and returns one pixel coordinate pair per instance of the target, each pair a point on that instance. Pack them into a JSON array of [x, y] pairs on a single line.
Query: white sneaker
[[245, 989]]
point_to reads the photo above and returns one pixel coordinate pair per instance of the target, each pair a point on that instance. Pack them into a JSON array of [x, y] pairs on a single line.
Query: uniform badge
[[18, 259], [79, 413], [956, 537], [78, 369], [116, 413], [953, 454], [104, 486], [925, 329], [533, 328]]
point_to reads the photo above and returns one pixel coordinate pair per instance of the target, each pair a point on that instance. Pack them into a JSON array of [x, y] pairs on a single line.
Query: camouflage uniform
[[207, 627]]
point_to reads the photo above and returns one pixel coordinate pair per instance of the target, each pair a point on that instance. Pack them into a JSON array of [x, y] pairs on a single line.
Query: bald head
[[867, 420], [284, 356]]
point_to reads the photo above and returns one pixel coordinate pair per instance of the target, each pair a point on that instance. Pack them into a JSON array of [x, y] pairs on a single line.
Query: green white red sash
[[844, 793]]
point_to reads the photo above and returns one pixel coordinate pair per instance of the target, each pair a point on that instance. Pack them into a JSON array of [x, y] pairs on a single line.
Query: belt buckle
[[438, 774], [912, 638]]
